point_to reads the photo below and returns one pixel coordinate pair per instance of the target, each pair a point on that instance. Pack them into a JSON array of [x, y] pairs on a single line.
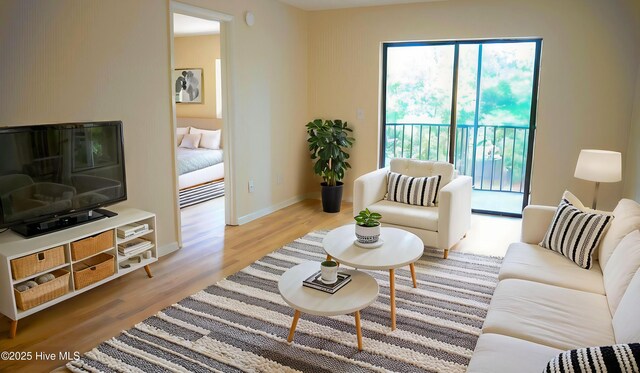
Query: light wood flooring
[[211, 252]]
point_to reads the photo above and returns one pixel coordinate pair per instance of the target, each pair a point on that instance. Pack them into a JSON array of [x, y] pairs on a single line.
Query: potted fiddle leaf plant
[[368, 226], [328, 143]]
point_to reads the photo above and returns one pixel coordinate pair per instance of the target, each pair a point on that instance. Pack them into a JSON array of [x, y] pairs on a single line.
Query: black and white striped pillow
[[419, 191], [623, 358], [575, 234]]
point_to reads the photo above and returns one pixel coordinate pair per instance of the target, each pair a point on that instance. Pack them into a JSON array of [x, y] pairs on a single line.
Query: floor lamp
[[601, 166]]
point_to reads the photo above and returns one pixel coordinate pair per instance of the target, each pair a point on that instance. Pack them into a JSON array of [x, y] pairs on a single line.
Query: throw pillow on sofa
[[419, 191], [627, 220], [575, 234], [606, 359], [623, 265]]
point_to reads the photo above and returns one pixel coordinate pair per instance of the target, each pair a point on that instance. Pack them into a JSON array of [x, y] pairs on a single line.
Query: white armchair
[[441, 226]]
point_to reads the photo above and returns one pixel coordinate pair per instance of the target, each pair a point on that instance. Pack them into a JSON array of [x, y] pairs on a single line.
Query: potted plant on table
[[328, 143], [368, 226]]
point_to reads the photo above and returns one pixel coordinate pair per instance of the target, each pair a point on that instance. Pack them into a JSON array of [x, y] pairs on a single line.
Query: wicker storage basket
[[91, 245], [44, 292], [36, 263], [93, 270]]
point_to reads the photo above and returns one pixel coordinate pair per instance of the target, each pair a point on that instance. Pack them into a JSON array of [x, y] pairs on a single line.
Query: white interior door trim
[[227, 104]]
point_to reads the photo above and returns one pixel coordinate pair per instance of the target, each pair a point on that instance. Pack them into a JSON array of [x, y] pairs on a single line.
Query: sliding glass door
[[469, 103]]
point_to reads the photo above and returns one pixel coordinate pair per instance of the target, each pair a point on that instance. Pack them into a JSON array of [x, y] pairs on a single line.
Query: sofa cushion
[[616, 358], [418, 191], [622, 265], [417, 168], [535, 263], [407, 215], [497, 353], [627, 220], [575, 234], [549, 315], [626, 324]]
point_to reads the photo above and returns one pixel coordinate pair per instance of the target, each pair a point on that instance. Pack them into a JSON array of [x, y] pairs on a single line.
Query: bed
[[199, 166]]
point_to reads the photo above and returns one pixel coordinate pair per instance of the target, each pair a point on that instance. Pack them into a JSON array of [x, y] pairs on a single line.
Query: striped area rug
[[241, 324], [201, 193]]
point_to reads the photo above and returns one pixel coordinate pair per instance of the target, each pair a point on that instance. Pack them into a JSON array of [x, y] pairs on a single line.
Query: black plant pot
[[331, 197]]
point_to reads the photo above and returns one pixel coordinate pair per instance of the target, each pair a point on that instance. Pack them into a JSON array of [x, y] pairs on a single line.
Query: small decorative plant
[[367, 218], [328, 263], [368, 227], [329, 271]]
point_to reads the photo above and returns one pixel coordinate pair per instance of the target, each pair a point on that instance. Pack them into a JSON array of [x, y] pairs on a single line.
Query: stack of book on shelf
[[315, 282], [129, 230], [134, 247]]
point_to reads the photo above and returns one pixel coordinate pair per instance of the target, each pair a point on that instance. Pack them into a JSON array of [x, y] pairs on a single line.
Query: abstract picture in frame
[[188, 85]]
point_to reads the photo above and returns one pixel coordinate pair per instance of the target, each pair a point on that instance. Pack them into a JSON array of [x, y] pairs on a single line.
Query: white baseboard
[[167, 249], [268, 210]]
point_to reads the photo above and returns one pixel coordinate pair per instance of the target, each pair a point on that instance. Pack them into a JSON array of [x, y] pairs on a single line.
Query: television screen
[[52, 170]]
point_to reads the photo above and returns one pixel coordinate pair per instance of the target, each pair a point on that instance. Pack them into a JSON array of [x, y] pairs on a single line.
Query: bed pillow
[[419, 191], [180, 132], [191, 141], [210, 139], [616, 358], [575, 234]]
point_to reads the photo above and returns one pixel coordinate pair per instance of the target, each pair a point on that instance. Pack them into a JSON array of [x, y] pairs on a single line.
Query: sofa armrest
[[454, 212], [535, 222], [369, 189]]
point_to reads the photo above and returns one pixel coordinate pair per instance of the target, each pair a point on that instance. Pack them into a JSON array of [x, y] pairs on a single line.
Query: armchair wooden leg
[[446, 253]]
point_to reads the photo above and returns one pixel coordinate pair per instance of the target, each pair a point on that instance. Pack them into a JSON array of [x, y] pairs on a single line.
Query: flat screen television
[[54, 176]]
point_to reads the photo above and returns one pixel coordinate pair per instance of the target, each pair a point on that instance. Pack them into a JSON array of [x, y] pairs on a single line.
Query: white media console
[[14, 246]]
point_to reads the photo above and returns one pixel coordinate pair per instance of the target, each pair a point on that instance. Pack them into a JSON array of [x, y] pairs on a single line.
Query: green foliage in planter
[[328, 143], [367, 218]]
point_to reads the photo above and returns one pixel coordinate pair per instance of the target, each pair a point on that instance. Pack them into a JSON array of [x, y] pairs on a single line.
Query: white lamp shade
[[599, 165]]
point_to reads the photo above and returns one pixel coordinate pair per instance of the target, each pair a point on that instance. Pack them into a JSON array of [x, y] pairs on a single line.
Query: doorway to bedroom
[[197, 91]]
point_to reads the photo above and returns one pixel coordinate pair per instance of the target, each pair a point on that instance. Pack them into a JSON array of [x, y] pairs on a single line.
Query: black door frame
[[452, 128]]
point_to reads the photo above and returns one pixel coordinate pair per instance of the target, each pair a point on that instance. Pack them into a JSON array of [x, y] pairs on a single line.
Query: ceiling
[[191, 26], [337, 4]]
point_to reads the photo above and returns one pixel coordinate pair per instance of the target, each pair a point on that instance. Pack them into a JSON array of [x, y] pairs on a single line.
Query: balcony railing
[[496, 162]]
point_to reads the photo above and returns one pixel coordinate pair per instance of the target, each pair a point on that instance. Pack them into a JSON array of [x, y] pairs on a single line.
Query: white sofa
[[545, 304], [441, 226]]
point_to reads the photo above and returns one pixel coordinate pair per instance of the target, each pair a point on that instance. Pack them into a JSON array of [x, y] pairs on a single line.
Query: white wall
[[631, 174], [71, 60], [587, 79]]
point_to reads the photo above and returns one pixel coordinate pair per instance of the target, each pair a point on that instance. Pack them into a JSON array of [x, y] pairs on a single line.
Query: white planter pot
[[368, 234], [329, 274]]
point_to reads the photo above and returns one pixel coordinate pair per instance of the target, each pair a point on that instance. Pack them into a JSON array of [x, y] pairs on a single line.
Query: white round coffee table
[[400, 248], [354, 296]]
